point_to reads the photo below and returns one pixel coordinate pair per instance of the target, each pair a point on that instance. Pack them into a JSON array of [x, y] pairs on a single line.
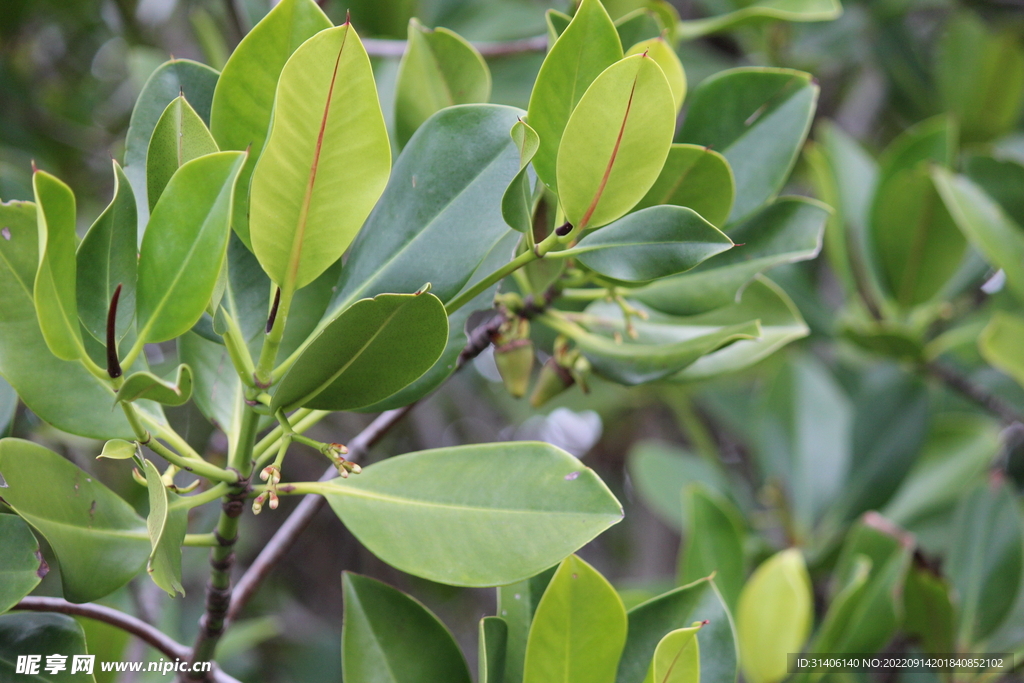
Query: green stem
[[589, 294], [302, 419], [170, 436], [515, 264], [272, 344], [234, 341], [199, 540], [208, 496], [199, 467]]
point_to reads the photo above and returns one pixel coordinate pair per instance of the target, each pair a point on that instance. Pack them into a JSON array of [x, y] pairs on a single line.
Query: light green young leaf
[[774, 616], [27, 632], [371, 351], [713, 541], [579, 630], [615, 142], [21, 564], [179, 137], [677, 657], [244, 98], [697, 177], [119, 449], [326, 161], [650, 244], [468, 532], [758, 118], [517, 202], [55, 287], [375, 651], [589, 45], [439, 69], [1002, 344], [185, 244], [146, 385], [661, 52], [761, 10], [100, 541], [167, 526], [106, 258]]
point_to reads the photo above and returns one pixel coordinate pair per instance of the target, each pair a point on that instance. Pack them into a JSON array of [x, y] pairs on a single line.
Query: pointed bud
[[257, 505], [515, 365], [553, 380], [274, 501]]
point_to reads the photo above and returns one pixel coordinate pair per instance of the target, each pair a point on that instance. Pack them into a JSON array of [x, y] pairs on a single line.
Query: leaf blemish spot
[[572, 476], [43, 568], [3, 482], [6, 232]]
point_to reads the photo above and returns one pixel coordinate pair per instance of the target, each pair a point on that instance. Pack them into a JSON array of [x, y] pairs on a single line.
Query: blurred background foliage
[[836, 425]]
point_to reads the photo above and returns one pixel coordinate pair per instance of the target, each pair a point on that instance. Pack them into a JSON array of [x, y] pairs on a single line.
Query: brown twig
[[379, 47], [975, 392]]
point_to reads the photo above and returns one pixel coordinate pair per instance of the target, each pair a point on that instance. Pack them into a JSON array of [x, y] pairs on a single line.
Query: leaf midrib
[[390, 498]]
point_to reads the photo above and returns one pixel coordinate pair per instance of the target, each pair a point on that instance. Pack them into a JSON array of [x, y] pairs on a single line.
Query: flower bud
[[257, 505], [553, 380], [515, 365]]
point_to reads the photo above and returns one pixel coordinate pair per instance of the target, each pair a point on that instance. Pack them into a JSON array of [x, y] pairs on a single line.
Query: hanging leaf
[[517, 202], [579, 630], [615, 142], [242, 103], [588, 46], [439, 69], [697, 177], [167, 525], [179, 137], [466, 533], [326, 160], [21, 564], [148, 386], [761, 10], [372, 350], [99, 540]]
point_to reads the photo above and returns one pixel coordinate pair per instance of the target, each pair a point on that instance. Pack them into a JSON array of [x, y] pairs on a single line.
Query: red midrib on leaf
[[300, 232], [611, 161]]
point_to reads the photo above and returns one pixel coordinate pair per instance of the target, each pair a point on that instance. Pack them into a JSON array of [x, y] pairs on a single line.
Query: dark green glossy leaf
[[588, 46], [579, 629], [787, 231], [468, 531], [758, 119], [517, 202], [179, 137], [185, 244], [761, 10], [171, 79], [985, 559], [388, 637], [713, 541], [21, 564], [62, 393], [660, 471], [650, 244], [100, 541], [55, 290], [493, 635], [106, 258], [149, 386], [439, 69], [242, 102], [517, 603], [679, 608], [167, 524], [41, 634], [697, 177], [368, 353]]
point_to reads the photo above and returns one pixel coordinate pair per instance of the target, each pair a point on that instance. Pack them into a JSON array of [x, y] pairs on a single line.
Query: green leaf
[[107, 643], [470, 531], [650, 244], [589, 45], [1000, 344], [660, 471], [167, 525], [373, 650], [985, 225], [149, 386], [557, 22], [106, 258], [985, 559], [439, 69], [177, 77], [100, 541], [244, 98], [179, 137], [371, 351], [119, 449], [637, 26], [21, 565], [787, 231], [677, 657], [517, 202], [1000, 178], [697, 177], [615, 142], [829, 638], [980, 77], [62, 393], [42, 634], [661, 52], [517, 603], [579, 630], [762, 10], [774, 616], [326, 161], [758, 118], [184, 246], [780, 321], [54, 292], [493, 636], [679, 608], [713, 541], [929, 614]]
